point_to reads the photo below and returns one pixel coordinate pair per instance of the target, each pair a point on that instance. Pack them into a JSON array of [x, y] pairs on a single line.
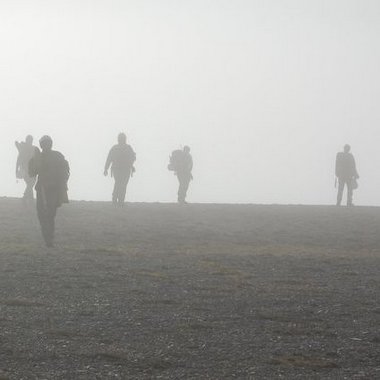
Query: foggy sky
[[264, 92]]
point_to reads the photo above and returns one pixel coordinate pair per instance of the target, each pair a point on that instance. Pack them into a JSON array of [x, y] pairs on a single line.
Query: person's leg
[[121, 181], [115, 191], [341, 183], [51, 211], [50, 228], [184, 181], [181, 198], [25, 196], [349, 193], [28, 195], [123, 189], [42, 214]]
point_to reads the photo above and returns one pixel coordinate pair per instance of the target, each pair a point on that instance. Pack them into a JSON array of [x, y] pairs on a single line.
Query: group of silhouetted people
[[122, 157], [49, 171]]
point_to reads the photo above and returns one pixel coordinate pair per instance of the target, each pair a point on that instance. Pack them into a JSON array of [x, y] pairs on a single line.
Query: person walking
[[53, 172], [26, 151], [120, 159], [181, 162], [346, 173]]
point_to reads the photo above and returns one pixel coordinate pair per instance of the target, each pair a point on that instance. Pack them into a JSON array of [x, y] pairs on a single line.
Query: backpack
[[25, 154], [175, 160]]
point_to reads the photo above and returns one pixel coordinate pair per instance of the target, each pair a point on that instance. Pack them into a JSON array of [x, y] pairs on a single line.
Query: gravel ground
[[161, 291]]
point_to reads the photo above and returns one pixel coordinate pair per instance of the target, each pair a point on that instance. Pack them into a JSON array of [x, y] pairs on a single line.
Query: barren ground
[[159, 291]]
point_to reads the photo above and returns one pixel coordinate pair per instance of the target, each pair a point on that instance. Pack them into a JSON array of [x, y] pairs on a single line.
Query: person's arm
[[190, 166], [108, 162], [66, 170], [133, 156]]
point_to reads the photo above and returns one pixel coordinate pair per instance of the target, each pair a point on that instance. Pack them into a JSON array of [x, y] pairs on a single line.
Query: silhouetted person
[[181, 163], [53, 173], [345, 171], [25, 153], [121, 159]]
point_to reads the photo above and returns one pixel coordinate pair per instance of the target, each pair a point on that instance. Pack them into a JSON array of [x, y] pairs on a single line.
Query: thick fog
[[264, 92]]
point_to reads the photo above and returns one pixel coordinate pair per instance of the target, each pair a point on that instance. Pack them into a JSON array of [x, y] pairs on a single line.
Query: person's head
[[29, 139], [186, 149], [347, 148], [122, 138], [46, 143]]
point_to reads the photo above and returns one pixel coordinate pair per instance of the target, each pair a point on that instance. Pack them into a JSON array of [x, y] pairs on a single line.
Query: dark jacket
[[185, 165], [345, 166], [53, 173], [121, 159]]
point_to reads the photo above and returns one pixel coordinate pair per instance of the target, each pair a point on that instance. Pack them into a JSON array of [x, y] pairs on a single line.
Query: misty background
[[264, 92]]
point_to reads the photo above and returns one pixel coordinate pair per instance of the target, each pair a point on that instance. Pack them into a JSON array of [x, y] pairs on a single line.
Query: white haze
[[264, 92]]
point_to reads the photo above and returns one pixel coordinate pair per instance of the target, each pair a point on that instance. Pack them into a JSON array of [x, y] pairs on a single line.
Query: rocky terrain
[[161, 291]]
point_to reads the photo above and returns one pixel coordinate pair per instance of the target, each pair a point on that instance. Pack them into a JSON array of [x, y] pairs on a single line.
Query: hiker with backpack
[[346, 174], [53, 173], [26, 151], [181, 163], [121, 159]]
